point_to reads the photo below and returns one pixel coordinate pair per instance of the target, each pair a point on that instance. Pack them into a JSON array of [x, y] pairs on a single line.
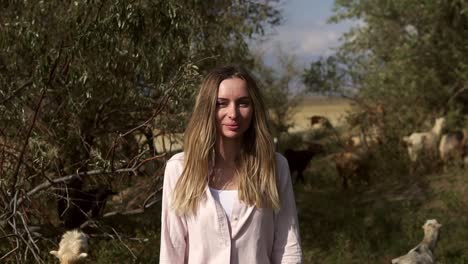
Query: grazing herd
[[75, 206], [451, 146], [351, 162]]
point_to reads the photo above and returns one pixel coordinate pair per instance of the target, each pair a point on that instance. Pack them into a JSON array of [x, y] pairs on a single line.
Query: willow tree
[[79, 79]]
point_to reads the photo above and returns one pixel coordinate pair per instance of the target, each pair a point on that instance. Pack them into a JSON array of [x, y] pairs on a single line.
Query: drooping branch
[[48, 184], [15, 92], [23, 150]]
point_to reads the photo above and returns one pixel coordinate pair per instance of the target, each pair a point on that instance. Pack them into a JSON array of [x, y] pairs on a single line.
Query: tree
[[281, 89], [413, 64], [327, 76], [81, 79]]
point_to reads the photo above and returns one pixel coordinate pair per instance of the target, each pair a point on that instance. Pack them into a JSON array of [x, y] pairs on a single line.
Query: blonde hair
[[256, 166]]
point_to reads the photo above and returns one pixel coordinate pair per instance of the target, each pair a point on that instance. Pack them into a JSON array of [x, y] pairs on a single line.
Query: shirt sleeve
[[173, 226], [286, 245]]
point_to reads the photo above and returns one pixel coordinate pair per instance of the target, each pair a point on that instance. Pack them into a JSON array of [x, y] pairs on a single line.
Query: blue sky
[[305, 31]]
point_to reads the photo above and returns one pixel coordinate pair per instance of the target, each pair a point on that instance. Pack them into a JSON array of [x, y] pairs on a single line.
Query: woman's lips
[[232, 127]]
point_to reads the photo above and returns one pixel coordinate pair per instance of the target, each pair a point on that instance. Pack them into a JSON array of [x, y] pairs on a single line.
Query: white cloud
[[305, 32], [315, 42], [304, 43]]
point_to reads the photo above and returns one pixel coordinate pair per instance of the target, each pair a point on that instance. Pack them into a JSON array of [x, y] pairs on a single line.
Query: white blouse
[[226, 198], [254, 235]]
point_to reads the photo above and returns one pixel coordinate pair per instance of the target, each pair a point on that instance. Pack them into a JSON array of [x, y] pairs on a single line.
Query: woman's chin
[[231, 135]]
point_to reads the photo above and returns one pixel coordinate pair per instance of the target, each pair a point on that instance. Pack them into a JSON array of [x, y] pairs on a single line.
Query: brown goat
[[351, 167], [320, 122]]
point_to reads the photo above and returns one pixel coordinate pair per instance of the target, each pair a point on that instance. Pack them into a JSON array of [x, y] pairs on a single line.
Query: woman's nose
[[232, 111]]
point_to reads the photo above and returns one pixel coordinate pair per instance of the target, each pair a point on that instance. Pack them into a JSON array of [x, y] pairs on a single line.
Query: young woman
[[228, 198]]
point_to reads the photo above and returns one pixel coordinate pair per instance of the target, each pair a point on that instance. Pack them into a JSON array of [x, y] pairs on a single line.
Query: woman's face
[[233, 108]]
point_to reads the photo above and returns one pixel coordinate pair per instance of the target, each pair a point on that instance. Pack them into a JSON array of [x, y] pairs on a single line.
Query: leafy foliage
[[88, 86], [280, 88], [414, 64], [408, 58]]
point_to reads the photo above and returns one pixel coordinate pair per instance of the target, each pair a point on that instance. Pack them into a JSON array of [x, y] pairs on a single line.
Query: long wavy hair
[[256, 163]]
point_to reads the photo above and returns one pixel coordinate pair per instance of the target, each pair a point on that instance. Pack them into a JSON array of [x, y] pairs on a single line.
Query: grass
[[377, 223], [366, 224]]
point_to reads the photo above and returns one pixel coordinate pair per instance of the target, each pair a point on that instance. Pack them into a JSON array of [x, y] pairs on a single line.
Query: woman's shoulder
[[174, 168], [281, 161], [283, 176], [177, 157]]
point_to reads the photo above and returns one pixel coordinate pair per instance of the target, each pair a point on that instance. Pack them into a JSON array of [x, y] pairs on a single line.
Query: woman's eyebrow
[[237, 99]]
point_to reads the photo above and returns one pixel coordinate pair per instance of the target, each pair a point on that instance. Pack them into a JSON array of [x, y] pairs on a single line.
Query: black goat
[[76, 206], [299, 159]]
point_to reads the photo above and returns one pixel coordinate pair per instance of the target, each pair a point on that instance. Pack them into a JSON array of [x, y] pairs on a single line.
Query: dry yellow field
[[332, 108]]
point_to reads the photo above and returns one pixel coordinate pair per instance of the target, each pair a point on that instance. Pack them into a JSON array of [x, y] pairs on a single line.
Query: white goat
[[424, 141], [72, 247], [423, 253]]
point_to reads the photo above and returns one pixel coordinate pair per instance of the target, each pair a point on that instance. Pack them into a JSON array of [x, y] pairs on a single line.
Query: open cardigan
[[254, 235]]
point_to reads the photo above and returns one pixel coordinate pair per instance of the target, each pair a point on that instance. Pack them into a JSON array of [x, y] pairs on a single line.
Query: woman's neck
[[227, 151], [223, 174]]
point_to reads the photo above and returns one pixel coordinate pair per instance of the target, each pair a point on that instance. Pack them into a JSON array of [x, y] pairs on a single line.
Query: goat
[[453, 146], [363, 141], [424, 141], [351, 166], [76, 206], [370, 121], [73, 247], [320, 123], [424, 252], [299, 159]]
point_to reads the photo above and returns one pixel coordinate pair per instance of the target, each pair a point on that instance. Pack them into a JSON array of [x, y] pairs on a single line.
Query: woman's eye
[[221, 104], [244, 104]]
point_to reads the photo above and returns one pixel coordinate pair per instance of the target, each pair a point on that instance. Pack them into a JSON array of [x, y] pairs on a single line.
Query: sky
[[305, 31]]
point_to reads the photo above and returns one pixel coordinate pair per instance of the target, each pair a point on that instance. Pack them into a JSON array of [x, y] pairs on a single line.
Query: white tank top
[[226, 198]]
